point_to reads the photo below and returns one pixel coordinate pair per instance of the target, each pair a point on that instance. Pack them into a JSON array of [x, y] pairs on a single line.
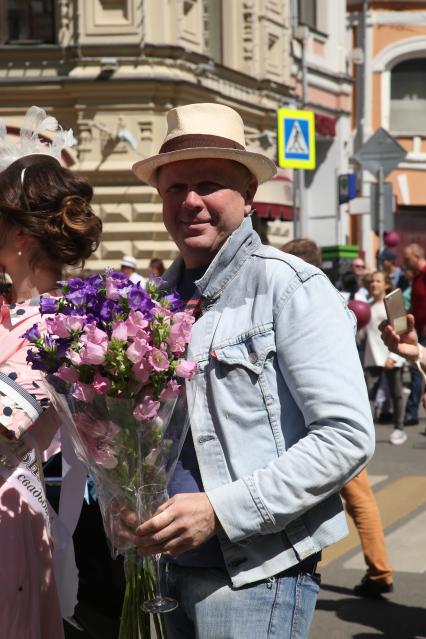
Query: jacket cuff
[[238, 512]]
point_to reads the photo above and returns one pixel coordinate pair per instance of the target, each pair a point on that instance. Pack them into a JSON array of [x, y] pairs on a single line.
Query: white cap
[[128, 260]]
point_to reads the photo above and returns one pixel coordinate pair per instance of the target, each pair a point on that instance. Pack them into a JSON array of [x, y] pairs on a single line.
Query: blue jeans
[[210, 608], [417, 383]]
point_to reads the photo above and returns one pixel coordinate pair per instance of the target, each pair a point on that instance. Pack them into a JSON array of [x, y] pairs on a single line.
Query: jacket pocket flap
[[251, 352]]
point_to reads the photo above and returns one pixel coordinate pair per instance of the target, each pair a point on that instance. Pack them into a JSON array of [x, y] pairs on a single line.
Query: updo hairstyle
[[51, 204]]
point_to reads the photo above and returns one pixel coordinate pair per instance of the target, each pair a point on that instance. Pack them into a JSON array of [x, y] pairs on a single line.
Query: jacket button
[[253, 358]]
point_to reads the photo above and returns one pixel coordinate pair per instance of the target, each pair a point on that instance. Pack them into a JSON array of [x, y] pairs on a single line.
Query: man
[[360, 270], [306, 249], [128, 267], [361, 503], [275, 431], [387, 259], [414, 259]]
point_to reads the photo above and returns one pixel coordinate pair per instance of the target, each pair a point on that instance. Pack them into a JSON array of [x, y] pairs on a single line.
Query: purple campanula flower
[[37, 360], [95, 281], [139, 300], [75, 283], [108, 310], [77, 297], [32, 333], [62, 346], [175, 301], [48, 305]]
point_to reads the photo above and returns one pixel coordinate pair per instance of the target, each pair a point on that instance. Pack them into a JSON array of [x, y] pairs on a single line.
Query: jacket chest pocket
[[242, 375], [247, 351]]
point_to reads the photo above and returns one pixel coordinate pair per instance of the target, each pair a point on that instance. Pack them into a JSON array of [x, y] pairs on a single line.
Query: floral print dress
[[29, 606]]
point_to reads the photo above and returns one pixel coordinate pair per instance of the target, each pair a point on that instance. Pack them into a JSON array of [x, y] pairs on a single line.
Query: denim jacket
[[279, 411]]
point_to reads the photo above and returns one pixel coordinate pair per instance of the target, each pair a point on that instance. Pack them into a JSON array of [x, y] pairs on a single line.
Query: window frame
[[5, 40]]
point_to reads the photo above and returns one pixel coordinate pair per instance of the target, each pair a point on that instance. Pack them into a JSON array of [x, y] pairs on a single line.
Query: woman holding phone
[[379, 360]]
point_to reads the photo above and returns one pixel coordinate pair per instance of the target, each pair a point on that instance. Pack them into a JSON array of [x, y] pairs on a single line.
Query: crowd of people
[[281, 420], [384, 370]]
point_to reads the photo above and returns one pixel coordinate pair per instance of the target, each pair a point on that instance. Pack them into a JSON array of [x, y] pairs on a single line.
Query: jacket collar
[[225, 265]]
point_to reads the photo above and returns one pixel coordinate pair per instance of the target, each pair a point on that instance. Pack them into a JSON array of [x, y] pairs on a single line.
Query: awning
[[325, 125], [273, 211], [274, 199]]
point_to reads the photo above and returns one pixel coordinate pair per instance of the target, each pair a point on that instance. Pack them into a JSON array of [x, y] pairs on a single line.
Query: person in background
[[387, 260], [359, 268], [46, 222], [128, 266], [156, 267], [361, 503], [378, 359], [414, 258], [406, 293], [351, 289], [306, 249]]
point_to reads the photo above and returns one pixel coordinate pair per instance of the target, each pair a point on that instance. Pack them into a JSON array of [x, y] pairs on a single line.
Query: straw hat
[[204, 131]]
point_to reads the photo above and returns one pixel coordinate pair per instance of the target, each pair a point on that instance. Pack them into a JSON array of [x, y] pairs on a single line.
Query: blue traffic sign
[[296, 139]]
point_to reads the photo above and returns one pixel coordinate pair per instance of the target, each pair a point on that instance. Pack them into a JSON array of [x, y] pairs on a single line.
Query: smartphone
[[395, 310]]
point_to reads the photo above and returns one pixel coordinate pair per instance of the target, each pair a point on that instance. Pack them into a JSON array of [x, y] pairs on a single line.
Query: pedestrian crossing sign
[[296, 139]]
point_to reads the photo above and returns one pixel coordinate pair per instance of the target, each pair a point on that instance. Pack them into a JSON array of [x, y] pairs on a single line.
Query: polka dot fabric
[[15, 320]]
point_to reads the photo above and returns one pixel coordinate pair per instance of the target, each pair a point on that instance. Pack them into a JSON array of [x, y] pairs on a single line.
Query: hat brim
[[259, 165]]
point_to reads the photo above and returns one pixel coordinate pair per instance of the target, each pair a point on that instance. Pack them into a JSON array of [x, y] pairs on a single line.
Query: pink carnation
[[67, 373], [146, 410], [135, 323], [83, 392], [137, 350], [186, 368], [158, 359], [171, 391], [142, 371], [119, 330], [92, 353], [62, 325], [114, 288], [101, 385], [94, 334], [74, 357], [97, 437]]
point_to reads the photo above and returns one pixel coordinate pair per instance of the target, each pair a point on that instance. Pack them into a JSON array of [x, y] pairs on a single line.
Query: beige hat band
[[194, 140]]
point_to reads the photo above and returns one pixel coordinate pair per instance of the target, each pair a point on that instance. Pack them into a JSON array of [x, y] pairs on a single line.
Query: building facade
[[390, 92], [110, 69]]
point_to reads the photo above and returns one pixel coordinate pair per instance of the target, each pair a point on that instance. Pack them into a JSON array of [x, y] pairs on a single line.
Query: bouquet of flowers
[[113, 354]]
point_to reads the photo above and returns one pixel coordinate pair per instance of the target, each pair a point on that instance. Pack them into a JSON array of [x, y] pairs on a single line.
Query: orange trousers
[[361, 505]]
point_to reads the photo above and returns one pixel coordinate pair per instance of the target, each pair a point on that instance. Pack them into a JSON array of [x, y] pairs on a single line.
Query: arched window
[[408, 97]]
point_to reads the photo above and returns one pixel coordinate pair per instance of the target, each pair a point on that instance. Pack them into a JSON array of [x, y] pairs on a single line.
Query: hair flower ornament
[[36, 121]]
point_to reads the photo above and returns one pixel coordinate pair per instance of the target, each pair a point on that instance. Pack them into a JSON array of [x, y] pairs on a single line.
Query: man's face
[[358, 266], [410, 259], [127, 270], [204, 200]]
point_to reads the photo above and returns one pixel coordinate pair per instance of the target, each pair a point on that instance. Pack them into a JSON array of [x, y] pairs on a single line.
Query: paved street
[[398, 474]]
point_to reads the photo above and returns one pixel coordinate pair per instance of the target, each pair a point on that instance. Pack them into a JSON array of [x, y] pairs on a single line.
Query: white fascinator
[[29, 143]]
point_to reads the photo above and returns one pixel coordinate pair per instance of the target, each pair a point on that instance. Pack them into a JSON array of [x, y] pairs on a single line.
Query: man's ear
[[249, 194]]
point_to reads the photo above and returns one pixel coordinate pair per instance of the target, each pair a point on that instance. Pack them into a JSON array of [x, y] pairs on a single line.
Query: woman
[[46, 222], [378, 359]]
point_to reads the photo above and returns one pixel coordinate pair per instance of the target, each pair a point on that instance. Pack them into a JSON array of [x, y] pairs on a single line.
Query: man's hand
[[406, 344], [183, 522]]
